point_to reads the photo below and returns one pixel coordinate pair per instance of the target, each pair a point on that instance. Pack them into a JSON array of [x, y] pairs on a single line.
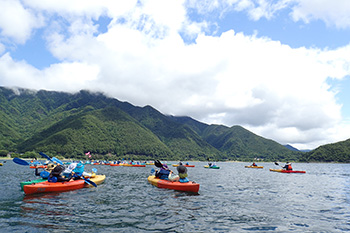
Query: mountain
[[334, 152], [291, 147], [73, 124]]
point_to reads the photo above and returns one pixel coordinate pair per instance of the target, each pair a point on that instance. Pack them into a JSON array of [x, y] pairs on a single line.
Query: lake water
[[231, 199]]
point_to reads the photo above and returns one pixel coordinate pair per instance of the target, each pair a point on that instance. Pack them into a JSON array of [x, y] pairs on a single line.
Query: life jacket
[[184, 180], [163, 174], [289, 167]]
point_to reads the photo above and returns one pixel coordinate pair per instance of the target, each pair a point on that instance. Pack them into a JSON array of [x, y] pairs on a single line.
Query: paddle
[[86, 180], [52, 160], [157, 163], [20, 161]]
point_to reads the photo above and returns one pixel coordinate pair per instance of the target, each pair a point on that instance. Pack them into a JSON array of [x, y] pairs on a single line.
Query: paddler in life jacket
[[164, 171], [182, 177], [45, 173], [288, 166], [55, 175], [254, 164]]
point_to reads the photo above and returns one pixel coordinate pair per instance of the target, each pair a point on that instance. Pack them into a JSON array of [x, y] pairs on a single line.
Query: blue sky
[[278, 68]]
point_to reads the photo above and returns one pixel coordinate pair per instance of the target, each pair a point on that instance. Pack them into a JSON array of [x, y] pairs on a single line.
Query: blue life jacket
[[52, 179], [163, 174], [184, 180]]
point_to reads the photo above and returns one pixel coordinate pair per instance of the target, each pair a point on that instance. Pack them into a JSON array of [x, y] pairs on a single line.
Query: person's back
[[55, 175], [182, 170]]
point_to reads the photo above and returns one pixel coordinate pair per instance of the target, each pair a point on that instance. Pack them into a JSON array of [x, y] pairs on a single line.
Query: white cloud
[[17, 22], [332, 12], [272, 89]]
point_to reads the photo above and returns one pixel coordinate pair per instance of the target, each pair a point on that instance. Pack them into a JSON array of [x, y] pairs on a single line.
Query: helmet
[[182, 169]]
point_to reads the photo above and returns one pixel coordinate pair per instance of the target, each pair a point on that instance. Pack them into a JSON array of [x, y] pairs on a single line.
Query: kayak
[[114, 164], [31, 182], [38, 166], [97, 179], [45, 187], [254, 166], [176, 165], [166, 184], [212, 167], [286, 171], [134, 165]]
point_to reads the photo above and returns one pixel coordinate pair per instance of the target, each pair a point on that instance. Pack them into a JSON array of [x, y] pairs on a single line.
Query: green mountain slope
[[335, 152], [72, 124]]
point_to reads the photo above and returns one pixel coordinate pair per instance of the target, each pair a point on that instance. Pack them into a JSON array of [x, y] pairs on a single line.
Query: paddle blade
[[90, 182], [94, 170], [20, 161], [152, 170], [56, 160], [157, 163], [44, 155], [276, 163]]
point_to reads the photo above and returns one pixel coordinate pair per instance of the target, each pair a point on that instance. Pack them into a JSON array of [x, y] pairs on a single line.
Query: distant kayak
[[187, 187], [45, 187], [211, 167], [38, 166], [176, 165], [286, 171], [134, 165], [254, 166]]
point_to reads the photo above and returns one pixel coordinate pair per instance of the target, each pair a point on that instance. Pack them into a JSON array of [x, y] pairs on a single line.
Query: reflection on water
[[230, 199]]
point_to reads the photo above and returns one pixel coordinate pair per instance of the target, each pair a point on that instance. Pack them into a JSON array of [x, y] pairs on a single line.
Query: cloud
[[17, 28], [272, 89], [333, 13]]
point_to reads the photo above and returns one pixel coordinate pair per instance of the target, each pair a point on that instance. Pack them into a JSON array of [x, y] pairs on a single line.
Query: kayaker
[[254, 164], [182, 177], [46, 172], [288, 166], [164, 171], [55, 175]]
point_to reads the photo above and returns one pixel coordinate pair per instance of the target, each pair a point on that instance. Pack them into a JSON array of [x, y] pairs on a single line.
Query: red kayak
[[166, 184], [45, 187], [286, 171]]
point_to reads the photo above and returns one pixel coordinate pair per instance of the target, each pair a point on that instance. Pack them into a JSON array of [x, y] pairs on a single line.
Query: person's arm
[[37, 173]]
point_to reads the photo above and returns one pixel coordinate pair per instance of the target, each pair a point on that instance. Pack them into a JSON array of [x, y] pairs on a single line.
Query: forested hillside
[[335, 152], [72, 124]]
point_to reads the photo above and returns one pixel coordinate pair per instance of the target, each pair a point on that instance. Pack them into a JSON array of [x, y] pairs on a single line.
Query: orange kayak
[[38, 166], [176, 165], [166, 184], [45, 187]]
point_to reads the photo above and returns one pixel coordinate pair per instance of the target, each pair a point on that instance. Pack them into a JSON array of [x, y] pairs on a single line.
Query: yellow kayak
[[254, 166], [97, 179]]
